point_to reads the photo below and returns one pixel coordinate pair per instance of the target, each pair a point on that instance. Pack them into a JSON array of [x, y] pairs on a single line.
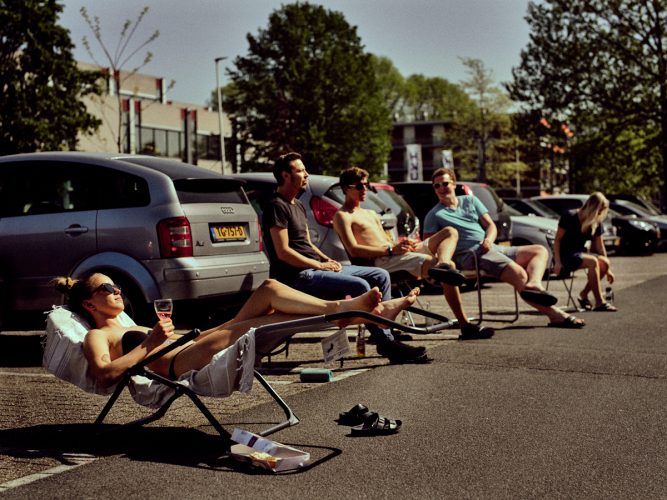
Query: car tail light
[[323, 211], [175, 237]]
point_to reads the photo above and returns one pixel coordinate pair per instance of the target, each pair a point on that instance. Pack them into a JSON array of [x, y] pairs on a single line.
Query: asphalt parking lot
[[532, 412]]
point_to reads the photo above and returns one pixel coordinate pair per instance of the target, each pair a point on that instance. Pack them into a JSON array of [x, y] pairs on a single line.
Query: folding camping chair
[[402, 282], [567, 277], [478, 275], [231, 369]]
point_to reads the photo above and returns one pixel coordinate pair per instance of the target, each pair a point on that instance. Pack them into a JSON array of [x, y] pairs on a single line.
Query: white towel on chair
[[231, 369]]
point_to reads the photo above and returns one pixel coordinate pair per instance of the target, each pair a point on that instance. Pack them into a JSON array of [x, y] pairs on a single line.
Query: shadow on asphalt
[[18, 350], [168, 445]]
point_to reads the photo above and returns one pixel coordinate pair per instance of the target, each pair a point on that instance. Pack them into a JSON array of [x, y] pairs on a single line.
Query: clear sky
[[419, 36]]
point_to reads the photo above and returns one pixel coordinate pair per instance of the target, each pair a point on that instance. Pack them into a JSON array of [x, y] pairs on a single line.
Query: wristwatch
[[390, 251]]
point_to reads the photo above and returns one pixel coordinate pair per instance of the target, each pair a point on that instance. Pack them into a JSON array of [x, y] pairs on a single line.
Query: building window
[[174, 144]]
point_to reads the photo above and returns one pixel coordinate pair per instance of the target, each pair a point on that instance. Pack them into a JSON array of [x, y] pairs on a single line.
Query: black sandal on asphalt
[[443, 273], [539, 297], [353, 417], [399, 353], [471, 332], [376, 425], [570, 322], [584, 303], [397, 349], [605, 307]]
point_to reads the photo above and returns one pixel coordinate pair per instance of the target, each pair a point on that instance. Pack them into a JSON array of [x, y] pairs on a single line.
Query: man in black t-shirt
[[298, 263]]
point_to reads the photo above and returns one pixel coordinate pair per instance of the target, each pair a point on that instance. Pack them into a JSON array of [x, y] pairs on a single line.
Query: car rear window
[[488, 197], [372, 202], [210, 191], [47, 187], [394, 201]]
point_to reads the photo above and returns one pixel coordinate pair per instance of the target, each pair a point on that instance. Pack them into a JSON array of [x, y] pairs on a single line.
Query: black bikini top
[[131, 339]]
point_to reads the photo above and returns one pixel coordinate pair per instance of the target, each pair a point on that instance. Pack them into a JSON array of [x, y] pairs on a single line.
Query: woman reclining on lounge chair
[[111, 348]]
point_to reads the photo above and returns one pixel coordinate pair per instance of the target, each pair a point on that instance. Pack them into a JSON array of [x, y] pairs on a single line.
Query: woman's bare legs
[[390, 309], [591, 265], [594, 284], [216, 339], [273, 296]]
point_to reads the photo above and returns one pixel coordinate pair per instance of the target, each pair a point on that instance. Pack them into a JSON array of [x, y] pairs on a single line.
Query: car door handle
[[76, 229]]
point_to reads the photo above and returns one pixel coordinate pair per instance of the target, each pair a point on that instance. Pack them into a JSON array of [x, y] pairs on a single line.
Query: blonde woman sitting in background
[[575, 229]]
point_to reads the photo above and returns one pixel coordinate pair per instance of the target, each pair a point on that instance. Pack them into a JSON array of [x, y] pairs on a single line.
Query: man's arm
[[491, 232], [280, 240], [343, 227], [319, 252]]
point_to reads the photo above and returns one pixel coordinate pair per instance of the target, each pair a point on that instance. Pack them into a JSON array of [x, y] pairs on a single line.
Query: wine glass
[[163, 308]]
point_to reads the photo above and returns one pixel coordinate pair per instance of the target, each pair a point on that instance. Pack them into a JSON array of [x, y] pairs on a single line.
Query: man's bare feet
[[390, 309]]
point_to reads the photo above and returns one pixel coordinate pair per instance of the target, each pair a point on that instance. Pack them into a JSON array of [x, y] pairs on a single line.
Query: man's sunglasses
[[360, 186], [437, 185], [107, 287]]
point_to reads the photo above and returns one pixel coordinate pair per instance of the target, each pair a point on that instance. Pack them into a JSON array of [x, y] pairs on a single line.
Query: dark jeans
[[351, 280]]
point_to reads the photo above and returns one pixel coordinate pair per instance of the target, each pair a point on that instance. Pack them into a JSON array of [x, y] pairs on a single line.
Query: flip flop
[[376, 425], [353, 417], [443, 273], [539, 297], [585, 304], [569, 322]]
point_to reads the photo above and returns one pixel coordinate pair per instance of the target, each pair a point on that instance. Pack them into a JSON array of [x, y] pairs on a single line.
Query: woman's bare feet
[[390, 309], [365, 302]]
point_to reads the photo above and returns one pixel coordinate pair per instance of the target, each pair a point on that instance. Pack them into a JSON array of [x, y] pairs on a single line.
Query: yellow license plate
[[228, 233]]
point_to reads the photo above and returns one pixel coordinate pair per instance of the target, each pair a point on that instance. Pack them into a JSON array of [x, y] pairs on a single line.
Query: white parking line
[[77, 459], [18, 374]]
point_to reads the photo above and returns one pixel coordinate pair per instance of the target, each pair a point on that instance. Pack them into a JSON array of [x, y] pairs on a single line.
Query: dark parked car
[[631, 209], [639, 200], [631, 235], [421, 197], [407, 224], [157, 227], [322, 199], [531, 207]]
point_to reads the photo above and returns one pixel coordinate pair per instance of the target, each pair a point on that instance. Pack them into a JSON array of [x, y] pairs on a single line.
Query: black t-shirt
[[574, 240], [291, 216]]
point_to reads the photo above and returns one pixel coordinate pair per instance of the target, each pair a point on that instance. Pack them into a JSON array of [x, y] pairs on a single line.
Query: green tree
[[392, 86], [305, 85], [490, 128], [41, 86], [601, 65], [435, 98]]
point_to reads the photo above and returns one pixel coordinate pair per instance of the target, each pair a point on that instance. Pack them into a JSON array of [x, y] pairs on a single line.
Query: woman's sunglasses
[[107, 287], [437, 185]]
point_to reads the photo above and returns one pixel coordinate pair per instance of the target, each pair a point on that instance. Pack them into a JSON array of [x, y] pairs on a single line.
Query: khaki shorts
[[492, 262], [411, 262]]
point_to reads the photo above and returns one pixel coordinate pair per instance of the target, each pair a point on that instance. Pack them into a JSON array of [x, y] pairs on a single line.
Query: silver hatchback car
[[157, 227]]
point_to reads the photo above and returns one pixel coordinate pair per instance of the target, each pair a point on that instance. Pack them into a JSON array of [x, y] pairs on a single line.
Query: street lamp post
[[222, 137]]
